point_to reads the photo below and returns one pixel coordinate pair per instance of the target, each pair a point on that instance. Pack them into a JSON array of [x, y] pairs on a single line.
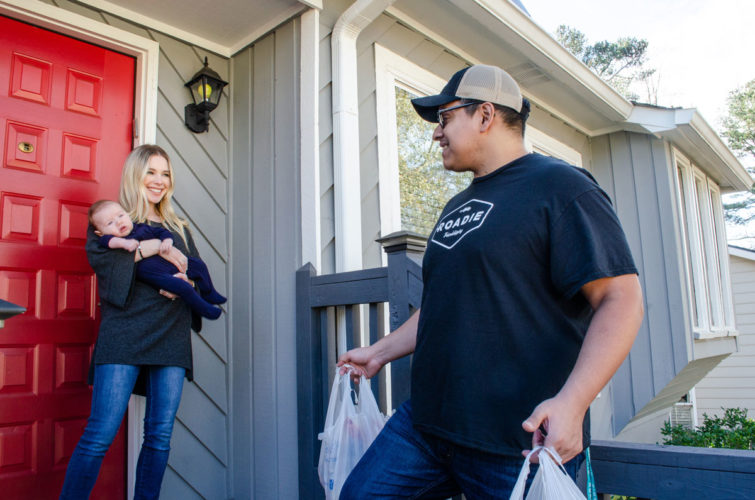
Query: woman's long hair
[[133, 194]]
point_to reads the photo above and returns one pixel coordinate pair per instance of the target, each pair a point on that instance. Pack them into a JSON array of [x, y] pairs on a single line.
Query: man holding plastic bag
[[531, 302]]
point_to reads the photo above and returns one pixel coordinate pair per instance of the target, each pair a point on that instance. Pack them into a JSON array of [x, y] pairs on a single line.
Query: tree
[[739, 124], [739, 131], [620, 63], [424, 185]]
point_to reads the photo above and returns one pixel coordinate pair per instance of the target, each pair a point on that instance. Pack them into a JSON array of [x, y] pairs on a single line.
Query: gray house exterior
[[296, 168]]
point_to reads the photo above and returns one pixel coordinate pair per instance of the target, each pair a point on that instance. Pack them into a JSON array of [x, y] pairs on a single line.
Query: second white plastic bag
[[349, 430], [551, 482]]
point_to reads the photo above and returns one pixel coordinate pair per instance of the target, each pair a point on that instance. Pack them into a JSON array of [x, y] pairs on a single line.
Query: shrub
[[734, 430]]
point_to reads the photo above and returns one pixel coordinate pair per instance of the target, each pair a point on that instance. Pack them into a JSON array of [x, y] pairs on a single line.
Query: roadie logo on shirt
[[460, 222]]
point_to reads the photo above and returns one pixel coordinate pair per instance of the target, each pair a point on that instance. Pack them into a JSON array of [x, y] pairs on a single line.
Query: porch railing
[[349, 309]]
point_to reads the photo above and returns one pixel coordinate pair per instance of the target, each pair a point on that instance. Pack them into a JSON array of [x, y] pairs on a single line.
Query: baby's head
[[108, 217]]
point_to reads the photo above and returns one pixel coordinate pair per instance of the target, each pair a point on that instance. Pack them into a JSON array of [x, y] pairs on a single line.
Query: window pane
[[710, 252], [685, 231], [424, 185]]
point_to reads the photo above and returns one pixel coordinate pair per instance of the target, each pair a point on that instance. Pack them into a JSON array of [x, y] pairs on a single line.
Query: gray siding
[[200, 458], [265, 243], [732, 383], [636, 172]]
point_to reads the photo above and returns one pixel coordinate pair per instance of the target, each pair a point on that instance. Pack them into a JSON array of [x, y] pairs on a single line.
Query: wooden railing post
[[309, 376], [401, 247]]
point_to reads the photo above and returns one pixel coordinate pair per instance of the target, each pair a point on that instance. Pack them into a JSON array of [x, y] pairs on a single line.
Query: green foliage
[[620, 63], [739, 131], [734, 430], [739, 124], [424, 185]]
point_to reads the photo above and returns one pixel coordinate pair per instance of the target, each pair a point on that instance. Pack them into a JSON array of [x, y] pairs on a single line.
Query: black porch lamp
[[206, 87]]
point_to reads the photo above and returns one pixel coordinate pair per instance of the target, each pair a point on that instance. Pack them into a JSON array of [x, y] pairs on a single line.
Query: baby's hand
[[123, 243], [130, 245], [165, 246]]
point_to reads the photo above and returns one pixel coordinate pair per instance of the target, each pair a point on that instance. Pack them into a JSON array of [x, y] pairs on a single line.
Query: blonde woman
[[144, 341]]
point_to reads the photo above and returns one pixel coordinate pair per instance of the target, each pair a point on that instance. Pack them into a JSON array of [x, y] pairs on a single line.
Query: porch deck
[[348, 309]]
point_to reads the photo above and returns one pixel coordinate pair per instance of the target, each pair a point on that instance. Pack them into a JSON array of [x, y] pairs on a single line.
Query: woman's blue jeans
[[112, 388]]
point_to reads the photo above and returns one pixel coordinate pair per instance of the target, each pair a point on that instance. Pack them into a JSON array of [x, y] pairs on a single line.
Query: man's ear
[[487, 111]]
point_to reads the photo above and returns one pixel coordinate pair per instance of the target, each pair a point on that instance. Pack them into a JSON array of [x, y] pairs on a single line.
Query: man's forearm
[[399, 343]]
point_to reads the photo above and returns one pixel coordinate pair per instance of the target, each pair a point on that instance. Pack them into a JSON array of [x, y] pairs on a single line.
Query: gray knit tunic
[[139, 326]]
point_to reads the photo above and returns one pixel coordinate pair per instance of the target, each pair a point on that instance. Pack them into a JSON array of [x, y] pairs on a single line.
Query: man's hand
[[363, 360], [563, 425], [165, 246]]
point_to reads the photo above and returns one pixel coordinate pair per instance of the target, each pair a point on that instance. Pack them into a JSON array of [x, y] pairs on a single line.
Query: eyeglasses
[[442, 121]]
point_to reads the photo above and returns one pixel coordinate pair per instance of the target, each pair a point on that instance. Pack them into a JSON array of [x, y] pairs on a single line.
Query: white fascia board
[[742, 253], [705, 136], [517, 21]]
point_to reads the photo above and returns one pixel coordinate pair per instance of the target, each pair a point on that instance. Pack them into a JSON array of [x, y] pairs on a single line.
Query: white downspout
[[346, 183]]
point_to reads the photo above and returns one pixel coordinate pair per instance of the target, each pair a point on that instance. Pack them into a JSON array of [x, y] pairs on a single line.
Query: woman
[[144, 342]]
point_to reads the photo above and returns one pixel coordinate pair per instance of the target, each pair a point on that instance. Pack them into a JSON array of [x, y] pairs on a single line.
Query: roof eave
[[689, 131]]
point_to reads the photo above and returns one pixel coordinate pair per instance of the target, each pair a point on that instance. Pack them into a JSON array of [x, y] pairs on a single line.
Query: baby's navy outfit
[[159, 272]]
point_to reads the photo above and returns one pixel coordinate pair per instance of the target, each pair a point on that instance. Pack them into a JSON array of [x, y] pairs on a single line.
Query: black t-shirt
[[503, 318]]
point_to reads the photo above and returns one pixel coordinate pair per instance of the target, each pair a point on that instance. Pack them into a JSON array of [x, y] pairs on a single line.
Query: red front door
[[66, 111]]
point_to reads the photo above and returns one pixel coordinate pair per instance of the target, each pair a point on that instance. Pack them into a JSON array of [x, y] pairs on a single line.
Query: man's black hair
[[511, 118]]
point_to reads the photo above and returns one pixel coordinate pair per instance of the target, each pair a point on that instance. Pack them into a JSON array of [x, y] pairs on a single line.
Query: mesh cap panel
[[490, 83]]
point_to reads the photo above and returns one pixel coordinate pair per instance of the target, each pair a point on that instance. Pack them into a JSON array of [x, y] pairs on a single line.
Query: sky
[[702, 49]]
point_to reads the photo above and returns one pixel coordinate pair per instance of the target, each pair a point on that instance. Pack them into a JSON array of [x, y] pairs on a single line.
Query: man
[[531, 302]]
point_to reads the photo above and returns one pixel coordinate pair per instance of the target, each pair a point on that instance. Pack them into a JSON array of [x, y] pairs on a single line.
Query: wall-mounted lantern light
[[206, 87]]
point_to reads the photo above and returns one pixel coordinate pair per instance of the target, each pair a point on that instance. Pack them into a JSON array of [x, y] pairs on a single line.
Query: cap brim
[[427, 107]]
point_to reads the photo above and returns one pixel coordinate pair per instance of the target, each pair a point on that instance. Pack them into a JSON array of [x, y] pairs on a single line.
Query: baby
[[115, 229]]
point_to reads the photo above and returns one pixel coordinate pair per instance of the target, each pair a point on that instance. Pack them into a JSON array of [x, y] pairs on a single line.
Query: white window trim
[[392, 70], [147, 55], [539, 142], [703, 252]]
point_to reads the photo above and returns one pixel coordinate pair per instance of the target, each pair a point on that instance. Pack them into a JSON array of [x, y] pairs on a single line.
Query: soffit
[[224, 27], [497, 32]]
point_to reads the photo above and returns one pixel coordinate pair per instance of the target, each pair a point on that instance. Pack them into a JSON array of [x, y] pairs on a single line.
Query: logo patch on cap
[[460, 222]]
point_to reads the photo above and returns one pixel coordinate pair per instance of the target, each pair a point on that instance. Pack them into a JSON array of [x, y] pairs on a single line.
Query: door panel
[[66, 112]]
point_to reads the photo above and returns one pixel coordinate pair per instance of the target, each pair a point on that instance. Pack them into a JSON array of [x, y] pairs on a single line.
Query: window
[[424, 185], [413, 185], [538, 142], [705, 254]]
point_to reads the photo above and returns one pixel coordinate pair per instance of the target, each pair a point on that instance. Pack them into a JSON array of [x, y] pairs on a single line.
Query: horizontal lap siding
[[732, 383], [200, 457]]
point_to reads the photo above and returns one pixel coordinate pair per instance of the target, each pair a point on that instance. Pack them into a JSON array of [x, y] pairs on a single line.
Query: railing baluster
[[373, 337]]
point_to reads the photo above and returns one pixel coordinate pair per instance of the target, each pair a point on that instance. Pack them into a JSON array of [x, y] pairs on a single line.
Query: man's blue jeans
[[404, 463], [112, 388]]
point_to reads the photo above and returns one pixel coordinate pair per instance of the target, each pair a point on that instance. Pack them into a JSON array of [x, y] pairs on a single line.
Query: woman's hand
[[172, 296], [177, 258]]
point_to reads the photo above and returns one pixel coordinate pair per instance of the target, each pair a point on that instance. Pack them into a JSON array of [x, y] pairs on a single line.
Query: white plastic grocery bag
[[551, 482], [349, 430]]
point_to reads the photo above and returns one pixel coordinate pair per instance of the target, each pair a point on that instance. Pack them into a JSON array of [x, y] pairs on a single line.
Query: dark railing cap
[[9, 309], [403, 241]]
